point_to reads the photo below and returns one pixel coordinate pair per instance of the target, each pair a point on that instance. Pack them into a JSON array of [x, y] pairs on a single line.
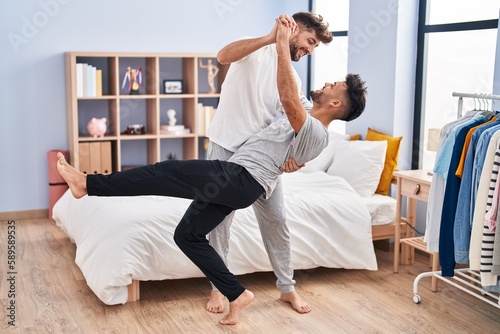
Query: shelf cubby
[[147, 106]]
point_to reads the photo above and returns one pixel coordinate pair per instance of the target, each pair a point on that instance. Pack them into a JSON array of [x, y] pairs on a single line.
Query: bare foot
[[235, 308], [299, 304], [216, 302], [76, 180]]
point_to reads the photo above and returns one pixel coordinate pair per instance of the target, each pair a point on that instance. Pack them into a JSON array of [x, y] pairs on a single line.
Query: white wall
[[382, 49], [496, 77], [35, 35]]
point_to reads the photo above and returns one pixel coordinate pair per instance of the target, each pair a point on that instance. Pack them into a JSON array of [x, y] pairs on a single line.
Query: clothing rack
[[464, 279], [473, 96]]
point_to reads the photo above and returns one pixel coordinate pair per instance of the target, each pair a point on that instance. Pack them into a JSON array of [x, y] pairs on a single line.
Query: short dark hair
[[314, 22], [356, 96]]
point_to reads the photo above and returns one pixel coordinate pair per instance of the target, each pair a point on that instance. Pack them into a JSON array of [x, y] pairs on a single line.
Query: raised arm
[[287, 86], [239, 49]]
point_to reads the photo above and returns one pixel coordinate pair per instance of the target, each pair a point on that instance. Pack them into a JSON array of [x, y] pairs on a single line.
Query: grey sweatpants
[[270, 214]]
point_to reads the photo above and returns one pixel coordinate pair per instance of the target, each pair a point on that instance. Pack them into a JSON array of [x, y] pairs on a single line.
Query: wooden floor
[[51, 297]]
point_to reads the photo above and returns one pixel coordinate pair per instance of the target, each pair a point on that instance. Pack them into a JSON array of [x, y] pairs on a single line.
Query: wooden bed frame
[[388, 231]]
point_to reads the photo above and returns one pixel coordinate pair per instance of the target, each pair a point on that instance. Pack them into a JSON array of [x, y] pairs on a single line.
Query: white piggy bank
[[97, 127]]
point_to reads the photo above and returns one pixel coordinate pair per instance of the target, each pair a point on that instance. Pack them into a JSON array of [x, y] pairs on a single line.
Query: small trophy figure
[[212, 71], [133, 77], [171, 117]]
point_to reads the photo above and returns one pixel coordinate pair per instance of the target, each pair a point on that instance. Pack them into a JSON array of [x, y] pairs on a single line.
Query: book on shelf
[[176, 130], [88, 80], [90, 91], [83, 79], [209, 116], [168, 127], [205, 115], [98, 82], [200, 119], [79, 80]]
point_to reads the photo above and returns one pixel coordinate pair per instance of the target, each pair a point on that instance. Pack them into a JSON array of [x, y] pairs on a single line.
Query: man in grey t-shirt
[[249, 101], [238, 182]]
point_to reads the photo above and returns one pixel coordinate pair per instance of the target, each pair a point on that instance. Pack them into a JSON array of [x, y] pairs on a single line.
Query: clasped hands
[[287, 21]]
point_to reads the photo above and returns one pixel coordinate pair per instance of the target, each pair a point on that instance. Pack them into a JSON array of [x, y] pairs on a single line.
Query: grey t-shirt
[[268, 150]]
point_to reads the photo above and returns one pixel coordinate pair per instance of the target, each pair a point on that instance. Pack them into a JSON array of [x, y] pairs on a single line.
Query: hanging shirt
[[495, 269], [479, 158], [482, 199], [465, 210], [436, 192], [487, 278], [446, 243], [491, 216], [468, 138]]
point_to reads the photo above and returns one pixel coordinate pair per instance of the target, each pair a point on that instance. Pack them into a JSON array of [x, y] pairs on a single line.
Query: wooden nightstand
[[415, 186]]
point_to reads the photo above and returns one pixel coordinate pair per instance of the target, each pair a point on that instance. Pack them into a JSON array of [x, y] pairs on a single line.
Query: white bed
[[124, 239]]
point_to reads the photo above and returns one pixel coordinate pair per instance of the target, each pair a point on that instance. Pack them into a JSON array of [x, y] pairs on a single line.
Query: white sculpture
[[171, 117]]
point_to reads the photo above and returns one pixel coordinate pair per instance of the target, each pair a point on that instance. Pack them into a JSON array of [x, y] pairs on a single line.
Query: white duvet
[[123, 238]]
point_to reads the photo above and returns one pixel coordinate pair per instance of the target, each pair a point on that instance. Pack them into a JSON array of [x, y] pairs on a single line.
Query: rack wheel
[[416, 298]]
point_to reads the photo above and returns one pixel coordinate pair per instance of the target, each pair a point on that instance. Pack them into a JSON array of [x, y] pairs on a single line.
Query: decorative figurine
[[212, 71], [97, 127], [171, 117], [133, 77]]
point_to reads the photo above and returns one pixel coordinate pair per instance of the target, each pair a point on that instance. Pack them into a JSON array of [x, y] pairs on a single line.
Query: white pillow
[[324, 159], [360, 163]]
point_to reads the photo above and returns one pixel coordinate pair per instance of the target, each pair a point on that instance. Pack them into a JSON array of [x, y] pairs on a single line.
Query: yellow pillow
[[355, 137], [391, 159]]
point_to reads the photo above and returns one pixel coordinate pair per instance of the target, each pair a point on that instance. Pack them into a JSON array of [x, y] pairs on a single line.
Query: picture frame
[[172, 86]]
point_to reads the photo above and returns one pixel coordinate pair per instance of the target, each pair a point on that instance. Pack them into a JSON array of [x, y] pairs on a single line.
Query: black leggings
[[216, 187]]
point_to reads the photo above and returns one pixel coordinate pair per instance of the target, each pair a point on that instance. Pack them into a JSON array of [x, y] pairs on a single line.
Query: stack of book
[[88, 80], [175, 130], [204, 117]]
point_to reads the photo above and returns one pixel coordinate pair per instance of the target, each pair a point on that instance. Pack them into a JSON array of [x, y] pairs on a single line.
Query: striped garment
[[487, 278]]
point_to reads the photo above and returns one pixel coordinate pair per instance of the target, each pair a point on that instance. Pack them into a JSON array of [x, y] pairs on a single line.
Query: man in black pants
[[219, 187]]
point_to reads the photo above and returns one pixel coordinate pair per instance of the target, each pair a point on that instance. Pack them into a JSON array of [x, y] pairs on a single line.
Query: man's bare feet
[[216, 302], [235, 308], [299, 304], [77, 181]]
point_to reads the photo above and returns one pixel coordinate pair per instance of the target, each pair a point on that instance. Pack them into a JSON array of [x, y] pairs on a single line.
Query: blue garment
[[477, 166], [436, 192], [446, 244], [465, 211], [442, 164]]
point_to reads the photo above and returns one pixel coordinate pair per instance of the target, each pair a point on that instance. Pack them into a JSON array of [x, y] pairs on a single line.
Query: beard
[[294, 50], [316, 95]]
